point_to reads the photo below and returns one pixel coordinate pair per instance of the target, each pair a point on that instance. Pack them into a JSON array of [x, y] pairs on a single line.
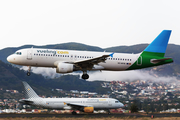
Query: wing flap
[[76, 105]]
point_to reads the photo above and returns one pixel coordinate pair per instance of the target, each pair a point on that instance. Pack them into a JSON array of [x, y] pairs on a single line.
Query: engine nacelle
[[67, 108], [64, 68], [88, 109]]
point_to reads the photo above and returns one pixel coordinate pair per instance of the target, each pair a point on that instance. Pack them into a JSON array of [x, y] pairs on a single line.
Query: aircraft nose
[[10, 58], [121, 105]]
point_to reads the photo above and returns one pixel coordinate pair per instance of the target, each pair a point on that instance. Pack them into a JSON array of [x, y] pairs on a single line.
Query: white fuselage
[[62, 103], [51, 57]]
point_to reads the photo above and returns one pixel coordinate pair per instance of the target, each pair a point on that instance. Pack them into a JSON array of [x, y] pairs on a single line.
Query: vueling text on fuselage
[[53, 52]]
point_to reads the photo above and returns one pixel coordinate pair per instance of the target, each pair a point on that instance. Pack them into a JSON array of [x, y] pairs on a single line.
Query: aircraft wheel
[[28, 73], [74, 113], [109, 112], [85, 76]]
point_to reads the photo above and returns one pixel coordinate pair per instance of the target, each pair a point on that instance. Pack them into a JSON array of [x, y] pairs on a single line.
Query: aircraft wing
[[76, 106], [89, 63]]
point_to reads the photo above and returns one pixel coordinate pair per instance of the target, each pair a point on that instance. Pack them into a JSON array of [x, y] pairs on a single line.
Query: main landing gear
[[74, 113], [85, 75], [109, 111], [29, 71]]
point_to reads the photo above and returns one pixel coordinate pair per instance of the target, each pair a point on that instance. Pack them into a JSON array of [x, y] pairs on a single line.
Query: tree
[[134, 108]]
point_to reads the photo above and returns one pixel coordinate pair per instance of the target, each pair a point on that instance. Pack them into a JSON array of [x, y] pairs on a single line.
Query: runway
[[88, 115]]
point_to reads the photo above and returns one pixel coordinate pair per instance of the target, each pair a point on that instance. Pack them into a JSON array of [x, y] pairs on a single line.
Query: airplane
[[87, 105], [67, 61]]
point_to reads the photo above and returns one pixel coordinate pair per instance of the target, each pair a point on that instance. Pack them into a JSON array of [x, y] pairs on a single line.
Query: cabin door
[[29, 54], [109, 103]]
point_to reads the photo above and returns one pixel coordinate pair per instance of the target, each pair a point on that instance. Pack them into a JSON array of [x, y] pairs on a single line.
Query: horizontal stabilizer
[[25, 101], [159, 60]]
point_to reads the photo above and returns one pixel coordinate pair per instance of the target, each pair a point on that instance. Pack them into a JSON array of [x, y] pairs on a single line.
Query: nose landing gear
[[29, 71]]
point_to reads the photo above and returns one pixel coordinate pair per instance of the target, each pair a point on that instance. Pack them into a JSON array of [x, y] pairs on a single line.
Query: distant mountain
[[11, 77], [67, 46], [172, 51]]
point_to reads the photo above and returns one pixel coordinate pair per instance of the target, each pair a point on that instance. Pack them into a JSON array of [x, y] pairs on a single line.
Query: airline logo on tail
[[153, 55], [29, 92]]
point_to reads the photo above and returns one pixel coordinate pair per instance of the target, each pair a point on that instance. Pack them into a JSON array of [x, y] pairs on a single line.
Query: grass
[[111, 118]]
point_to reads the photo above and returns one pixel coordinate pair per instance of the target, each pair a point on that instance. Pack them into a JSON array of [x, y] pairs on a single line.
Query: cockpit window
[[116, 101], [18, 53]]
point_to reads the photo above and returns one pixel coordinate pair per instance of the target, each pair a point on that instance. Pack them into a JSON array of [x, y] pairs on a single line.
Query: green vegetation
[[133, 108], [11, 77]]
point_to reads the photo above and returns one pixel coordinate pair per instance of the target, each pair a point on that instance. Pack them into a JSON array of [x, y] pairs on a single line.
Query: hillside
[[67, 46], [172, 51], [11, 77]]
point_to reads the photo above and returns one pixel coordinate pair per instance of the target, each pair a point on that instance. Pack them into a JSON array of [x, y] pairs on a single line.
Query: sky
[[102, 23]]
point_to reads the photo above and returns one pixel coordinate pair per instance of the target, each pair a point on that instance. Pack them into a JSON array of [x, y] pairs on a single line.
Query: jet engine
[[88, 109], [64, 68]]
